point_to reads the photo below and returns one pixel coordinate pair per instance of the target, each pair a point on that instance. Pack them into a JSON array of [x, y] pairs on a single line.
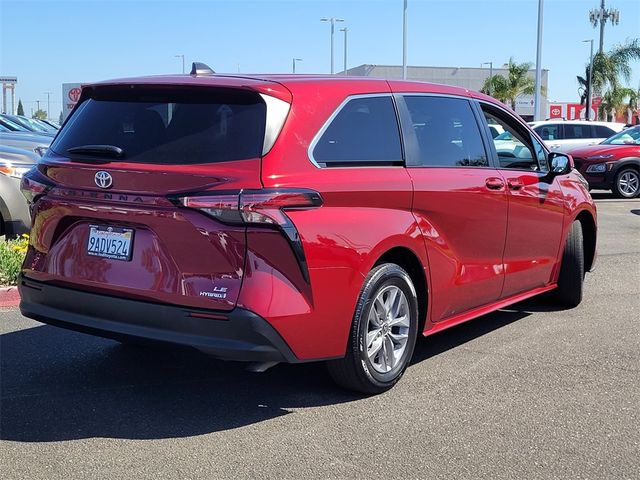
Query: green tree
[[40, 114], [60, 119], [611, 71], [20, 108], [516, 83]]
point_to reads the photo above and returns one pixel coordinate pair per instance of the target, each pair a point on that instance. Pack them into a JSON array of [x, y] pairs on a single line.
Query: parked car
[[14, 212], [296, 218], [10, 126], [29, 124], [51, 123], [26, 141], [563, 135], [613, 164]]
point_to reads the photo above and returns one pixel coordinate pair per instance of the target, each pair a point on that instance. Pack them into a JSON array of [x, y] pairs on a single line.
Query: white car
[[563, 135]]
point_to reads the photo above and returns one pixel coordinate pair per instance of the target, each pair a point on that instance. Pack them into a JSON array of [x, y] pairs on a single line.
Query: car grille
[[578, 162]]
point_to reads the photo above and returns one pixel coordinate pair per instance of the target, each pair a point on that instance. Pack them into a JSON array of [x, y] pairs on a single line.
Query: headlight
[[41, 150], [11, 171], [597, 168], [603, 156]]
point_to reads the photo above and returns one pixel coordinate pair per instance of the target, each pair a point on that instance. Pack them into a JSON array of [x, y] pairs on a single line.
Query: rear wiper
[[97, 150]]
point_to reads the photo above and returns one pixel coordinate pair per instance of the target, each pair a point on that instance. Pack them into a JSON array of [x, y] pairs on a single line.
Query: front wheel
[[627, 183], [383, 332], [571, 279]]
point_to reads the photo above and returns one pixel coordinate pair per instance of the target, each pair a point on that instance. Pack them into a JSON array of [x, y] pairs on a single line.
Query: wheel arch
[[409, 261], [589, 236]]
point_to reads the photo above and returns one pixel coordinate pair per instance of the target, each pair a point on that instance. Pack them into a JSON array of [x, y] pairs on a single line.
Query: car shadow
[[58, 385], [635, 212]]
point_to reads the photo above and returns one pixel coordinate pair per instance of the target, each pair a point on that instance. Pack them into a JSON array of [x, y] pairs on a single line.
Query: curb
[[9, 297]]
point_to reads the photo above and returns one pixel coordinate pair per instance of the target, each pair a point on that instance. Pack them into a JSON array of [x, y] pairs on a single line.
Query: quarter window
[[446, 132], [365, 131], [603, 132]]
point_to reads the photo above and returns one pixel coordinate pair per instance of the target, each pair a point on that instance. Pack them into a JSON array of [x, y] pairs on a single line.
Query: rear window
[[168, 126]]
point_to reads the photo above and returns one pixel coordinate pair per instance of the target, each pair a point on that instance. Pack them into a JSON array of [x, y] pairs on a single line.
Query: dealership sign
[[70, 96]]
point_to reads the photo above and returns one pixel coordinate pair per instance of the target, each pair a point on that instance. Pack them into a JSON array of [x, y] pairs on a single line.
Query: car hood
[[17, 156], [617, 150]]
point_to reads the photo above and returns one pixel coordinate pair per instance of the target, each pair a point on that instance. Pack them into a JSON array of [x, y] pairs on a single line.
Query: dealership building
[[465, 77]]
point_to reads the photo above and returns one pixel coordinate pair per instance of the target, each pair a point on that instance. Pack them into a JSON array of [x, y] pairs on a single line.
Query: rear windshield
[[168, 126]]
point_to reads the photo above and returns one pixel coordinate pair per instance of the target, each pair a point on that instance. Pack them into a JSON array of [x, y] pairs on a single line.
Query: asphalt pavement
[[526, 392]]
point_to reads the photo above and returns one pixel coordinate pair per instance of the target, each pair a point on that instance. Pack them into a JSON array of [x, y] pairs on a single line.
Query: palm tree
[[516, 83], [610, 71]]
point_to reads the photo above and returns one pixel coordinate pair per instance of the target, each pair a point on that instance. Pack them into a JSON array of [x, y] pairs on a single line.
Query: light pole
[[181, 56], [48, 105], [294, 63], [333, 21], [404, 40], [537, 106], [587, 114], [601, 16], [490, 73], [344, 68]]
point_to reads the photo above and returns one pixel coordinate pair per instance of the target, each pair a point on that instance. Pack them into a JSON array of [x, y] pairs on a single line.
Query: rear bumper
[[238, 335]]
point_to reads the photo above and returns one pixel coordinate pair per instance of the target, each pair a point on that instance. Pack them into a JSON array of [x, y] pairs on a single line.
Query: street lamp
[[537, 115], [344, 69], [48, 105], [404, 40], [333, 21], [490, 73], [181, 56], [294, 63], [587, 114]]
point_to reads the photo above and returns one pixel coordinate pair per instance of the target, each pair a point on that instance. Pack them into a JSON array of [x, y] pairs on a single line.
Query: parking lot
[[527, 392]]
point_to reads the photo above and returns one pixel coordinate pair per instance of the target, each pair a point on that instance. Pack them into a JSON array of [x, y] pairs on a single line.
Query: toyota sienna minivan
[[289, 218]]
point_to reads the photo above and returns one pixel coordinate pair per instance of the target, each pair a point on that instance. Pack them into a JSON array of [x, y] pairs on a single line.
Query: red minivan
[[280, 218]]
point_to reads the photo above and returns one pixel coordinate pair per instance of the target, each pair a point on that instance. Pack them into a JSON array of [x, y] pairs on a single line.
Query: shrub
[[12, 254]]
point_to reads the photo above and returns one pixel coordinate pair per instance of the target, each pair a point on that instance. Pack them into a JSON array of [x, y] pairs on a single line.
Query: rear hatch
[[115, 199]]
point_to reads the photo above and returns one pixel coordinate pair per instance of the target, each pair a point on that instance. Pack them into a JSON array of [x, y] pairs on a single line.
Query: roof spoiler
[[198, 68]]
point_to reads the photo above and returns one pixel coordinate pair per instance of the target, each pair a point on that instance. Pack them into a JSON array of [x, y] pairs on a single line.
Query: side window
[[603, 132], [446, 131], [552, 131], [573, 131], [512, 146], [364, 132]]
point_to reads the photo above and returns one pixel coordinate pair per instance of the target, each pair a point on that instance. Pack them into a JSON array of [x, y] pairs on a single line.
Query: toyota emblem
[[103, 179]]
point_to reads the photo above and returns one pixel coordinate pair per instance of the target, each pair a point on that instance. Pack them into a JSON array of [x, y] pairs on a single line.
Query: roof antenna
[[198, 68]]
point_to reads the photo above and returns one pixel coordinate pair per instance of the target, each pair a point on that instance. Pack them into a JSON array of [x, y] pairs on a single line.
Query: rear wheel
[[627, 183], [383, 332], [571, 279]]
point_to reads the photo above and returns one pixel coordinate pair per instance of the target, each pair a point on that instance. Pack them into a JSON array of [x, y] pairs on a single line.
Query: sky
[[47, 43]]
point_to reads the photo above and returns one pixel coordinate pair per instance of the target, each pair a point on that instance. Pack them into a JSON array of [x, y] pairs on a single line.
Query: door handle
[[515, 183], [494, 183]]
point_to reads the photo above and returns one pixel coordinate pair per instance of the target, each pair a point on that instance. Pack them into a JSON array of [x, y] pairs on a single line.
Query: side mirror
[[561, 163]]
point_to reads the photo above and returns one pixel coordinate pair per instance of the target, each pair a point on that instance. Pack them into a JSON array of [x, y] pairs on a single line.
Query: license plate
[[110, 242]]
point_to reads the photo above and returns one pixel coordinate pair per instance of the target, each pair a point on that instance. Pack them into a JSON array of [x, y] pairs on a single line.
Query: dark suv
[[297, 218]]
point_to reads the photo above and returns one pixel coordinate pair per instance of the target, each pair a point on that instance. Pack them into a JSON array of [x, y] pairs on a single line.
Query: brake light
[[256, 207], [264, 207], [33, 185]]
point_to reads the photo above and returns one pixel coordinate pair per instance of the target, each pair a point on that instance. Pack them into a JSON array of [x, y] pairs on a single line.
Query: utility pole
[[537, 99], [601, 16], [48, 105], [333, 21], [404, 41], [344, 69], [587, 114], [38, 102]]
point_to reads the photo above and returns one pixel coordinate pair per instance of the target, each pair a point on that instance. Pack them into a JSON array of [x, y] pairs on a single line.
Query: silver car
[[26, 141], [14, 212]]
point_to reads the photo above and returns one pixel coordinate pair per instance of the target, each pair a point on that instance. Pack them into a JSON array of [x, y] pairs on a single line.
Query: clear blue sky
[[47, 43]]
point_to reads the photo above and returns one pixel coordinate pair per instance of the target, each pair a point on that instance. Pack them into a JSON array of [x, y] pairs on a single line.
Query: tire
[[376, 366], [571, 279], [627, 183]]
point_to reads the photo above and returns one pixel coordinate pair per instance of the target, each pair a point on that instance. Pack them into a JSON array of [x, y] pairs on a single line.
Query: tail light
[[266, 207], [34, 184]]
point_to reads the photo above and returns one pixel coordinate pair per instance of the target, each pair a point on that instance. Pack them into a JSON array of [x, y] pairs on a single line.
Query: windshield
[[27, 123], [14, 127], [166, 126], [630, 136]]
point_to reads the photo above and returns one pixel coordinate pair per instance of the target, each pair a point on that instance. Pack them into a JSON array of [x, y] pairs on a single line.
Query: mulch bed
[[9, 297]]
